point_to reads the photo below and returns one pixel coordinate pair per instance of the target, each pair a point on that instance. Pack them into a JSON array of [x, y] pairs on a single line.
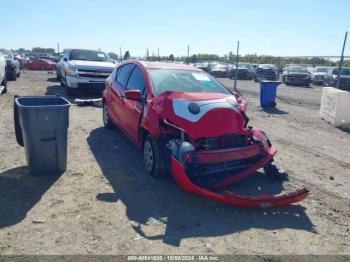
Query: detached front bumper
[[230, 198], [184, 180]]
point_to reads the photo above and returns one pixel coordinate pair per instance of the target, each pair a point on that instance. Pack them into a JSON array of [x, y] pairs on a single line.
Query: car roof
[[163, 65]]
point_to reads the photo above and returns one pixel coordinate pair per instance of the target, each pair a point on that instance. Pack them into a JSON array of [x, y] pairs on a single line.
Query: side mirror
[[133, 94], [65, 59]]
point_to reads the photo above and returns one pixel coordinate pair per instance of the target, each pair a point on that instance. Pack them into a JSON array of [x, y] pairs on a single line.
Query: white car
[[317, 77], [3, 79], [85, 70]]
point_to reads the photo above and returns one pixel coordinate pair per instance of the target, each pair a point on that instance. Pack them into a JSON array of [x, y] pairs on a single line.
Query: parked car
[[58, 69], [332, 76], [243, 71], [192, 126], [266, 72], [85, 70], [296, 75], [204, 66], [12, 65], [41, 64], [317, 77], [220, 70], [3, 77]]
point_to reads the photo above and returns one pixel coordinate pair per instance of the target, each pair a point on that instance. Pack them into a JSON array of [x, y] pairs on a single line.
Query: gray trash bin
[[44, 122]]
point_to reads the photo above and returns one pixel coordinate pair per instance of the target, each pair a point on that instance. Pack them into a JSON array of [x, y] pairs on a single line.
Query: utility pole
[[147, 55], [188, 54], [58, 49], [341, 60], [158, 55], [121, 54], [236, 72]]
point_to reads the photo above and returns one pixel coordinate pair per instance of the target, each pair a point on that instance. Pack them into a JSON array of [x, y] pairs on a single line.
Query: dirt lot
[[106, 204]]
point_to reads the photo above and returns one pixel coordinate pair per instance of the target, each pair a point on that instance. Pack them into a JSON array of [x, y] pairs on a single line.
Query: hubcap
[[148, 156], [105, 114]]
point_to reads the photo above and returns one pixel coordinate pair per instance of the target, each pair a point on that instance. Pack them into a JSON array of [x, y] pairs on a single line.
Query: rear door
[[117, 108], [133, 109]]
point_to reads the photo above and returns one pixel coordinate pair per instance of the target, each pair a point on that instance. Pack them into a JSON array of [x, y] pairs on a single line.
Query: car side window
[[136, 80], [124, 73]]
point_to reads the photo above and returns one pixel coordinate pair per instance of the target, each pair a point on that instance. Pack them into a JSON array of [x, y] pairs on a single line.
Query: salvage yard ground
[[106, 204]]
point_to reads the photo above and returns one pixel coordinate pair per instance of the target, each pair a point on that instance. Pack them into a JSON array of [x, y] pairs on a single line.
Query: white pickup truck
[[82, 69], [3, 80]]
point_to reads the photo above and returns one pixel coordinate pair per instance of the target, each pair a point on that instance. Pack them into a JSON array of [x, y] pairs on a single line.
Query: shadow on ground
[[274, 111], [184, 215], [19, 192]]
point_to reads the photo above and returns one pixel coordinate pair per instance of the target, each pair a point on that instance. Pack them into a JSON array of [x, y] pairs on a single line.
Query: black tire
[[19, 74], [107, 122], [13, 76], [18, 129], [4, 83], [71, 92], [154, 158]]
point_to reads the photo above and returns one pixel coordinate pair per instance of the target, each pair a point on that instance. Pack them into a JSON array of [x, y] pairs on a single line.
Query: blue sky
[[269, 27]]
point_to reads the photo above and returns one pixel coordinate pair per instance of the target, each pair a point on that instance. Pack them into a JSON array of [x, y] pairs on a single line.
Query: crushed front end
[[212, 147]]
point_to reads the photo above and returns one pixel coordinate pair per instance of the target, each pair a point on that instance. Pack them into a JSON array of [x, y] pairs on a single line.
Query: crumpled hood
[[201, 115], [93, 65]]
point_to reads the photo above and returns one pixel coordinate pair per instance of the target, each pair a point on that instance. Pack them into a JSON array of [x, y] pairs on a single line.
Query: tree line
[[230, 58]]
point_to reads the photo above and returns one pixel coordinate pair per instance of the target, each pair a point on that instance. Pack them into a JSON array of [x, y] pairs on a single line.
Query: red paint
[[150, 115], [41, 64]]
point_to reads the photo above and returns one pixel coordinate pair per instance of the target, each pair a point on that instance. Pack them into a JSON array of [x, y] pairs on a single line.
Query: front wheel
[[153, 159], [107, 122], [4, 84]]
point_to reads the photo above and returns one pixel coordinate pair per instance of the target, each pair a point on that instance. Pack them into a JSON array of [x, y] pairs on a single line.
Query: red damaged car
[[41, 64], [190, 125]]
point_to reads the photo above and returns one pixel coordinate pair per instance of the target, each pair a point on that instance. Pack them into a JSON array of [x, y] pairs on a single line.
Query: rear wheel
[[107, 122], [153, 159], [19, 74]]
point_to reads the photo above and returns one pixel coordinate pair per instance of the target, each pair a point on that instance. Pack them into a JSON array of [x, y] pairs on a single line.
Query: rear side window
[[124, 73], [136, 80]]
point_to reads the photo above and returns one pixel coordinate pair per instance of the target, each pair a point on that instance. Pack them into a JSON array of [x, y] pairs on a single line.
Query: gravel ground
[[105, 203]]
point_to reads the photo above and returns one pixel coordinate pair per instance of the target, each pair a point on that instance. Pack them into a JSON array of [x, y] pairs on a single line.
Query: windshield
[[344, 71], [184, 81], [297, 69], [88, 55], [220, 67], [321, 69], [266, 67], [243, 65], [6, 53]]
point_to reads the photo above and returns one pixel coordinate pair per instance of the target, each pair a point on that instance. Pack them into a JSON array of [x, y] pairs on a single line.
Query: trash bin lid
[[42, 101]]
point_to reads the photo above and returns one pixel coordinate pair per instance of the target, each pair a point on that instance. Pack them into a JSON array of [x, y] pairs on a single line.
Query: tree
[[171, 57], [43, 50], [127, 55], [193, 59]]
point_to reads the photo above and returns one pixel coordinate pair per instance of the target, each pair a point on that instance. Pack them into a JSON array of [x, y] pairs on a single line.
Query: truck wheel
[[13, 76], [4, 83], [71, 92], [107, 122], [153, 158]]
